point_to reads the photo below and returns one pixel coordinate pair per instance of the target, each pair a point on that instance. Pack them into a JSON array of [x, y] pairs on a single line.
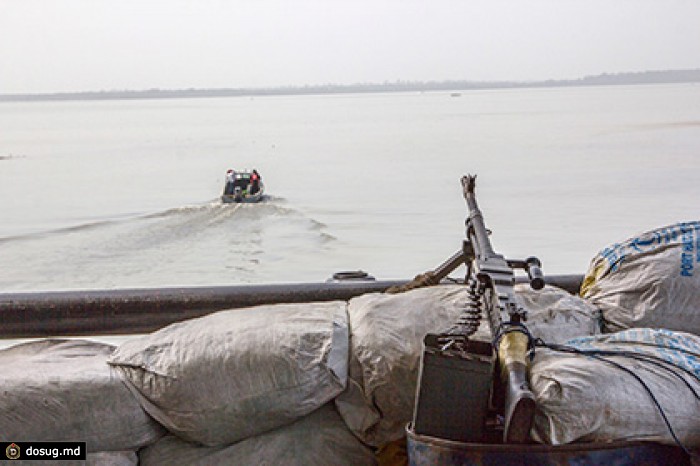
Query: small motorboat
[[243, 189]]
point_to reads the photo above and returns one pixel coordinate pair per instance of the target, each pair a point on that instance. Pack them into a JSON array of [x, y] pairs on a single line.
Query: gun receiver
[[495, 279]]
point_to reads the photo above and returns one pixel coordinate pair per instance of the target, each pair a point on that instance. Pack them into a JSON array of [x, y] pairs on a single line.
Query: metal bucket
[[424, 450]]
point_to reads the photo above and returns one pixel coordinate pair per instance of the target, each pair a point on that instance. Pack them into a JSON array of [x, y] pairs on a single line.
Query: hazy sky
[[76, 45]]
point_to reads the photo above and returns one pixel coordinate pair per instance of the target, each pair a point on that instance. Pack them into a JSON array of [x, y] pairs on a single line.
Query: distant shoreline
[[605, 79]]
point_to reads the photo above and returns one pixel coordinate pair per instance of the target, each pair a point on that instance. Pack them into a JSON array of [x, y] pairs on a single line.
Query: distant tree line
[[605, 79]]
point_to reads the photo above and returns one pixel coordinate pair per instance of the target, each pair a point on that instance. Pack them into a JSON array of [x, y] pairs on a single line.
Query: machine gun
[[482, 385]]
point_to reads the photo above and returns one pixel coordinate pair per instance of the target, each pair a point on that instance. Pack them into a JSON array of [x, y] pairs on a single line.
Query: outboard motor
[[237, 194]]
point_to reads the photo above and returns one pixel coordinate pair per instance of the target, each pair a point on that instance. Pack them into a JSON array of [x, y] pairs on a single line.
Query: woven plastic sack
[[321, 438], [387, 332], [102, 458], [650, 280], [64, 390], [555, 315], [110, 458], [581, 398], [238, 373]]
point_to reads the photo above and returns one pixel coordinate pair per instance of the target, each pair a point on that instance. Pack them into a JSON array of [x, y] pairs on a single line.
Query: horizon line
[[633, 77]]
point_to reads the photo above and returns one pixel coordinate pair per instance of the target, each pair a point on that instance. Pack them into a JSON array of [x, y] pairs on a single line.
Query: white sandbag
[[112, 458], [237, 373], [651, 280], [387, 334], [555, 315], [63, 390], [321, 438], [584, 399], [102, 458]]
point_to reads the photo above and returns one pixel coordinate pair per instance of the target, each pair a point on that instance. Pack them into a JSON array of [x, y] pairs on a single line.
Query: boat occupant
[[255, 182], [230, 181]]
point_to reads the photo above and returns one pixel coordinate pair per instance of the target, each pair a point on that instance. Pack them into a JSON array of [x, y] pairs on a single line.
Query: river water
[[124, 194]]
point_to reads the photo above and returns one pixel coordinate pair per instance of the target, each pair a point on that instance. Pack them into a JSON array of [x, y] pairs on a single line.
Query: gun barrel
[[478, 232]]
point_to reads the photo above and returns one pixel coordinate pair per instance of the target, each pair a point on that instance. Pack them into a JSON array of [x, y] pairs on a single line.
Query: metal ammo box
[[454, 389]]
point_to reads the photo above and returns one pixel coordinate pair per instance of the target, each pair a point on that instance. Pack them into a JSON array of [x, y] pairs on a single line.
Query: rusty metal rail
[[127, 311], [105, 312]]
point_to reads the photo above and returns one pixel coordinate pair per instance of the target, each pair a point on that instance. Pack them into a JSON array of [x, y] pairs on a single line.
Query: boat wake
[[211, 243]]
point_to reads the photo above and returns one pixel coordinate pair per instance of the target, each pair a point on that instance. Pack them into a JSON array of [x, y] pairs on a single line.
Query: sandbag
[[111, 458], [555, 315], [584, 399], [102, 458], [63, 390], [238, 373], [650, 280], [387, 334], [321, 438]]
